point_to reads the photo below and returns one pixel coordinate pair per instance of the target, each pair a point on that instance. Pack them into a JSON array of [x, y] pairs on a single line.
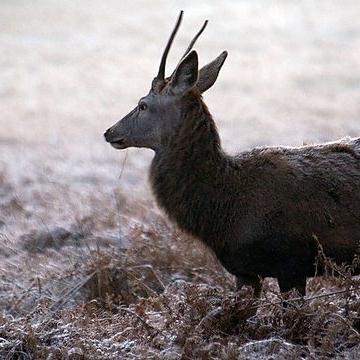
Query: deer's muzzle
[[115, 141]]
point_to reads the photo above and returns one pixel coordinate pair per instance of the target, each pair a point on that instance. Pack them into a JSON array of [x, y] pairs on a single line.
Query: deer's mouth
[[118, 144], [115, 141]]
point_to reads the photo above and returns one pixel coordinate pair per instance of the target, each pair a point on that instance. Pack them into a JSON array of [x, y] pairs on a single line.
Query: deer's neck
[[188, 174]]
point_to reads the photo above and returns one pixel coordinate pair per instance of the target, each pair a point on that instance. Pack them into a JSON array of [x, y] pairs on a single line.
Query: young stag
[[260, 211]]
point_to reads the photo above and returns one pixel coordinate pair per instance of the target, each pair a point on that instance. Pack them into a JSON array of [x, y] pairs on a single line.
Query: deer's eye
[[142, 106]]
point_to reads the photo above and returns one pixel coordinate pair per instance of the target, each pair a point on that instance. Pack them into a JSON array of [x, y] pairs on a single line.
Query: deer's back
[[293, 196]]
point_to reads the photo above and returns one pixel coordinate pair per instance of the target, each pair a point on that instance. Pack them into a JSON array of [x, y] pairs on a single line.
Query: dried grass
[[167, 297]]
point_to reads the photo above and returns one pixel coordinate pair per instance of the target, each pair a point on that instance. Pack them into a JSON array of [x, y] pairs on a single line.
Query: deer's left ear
[[186, 75], [209, 73]]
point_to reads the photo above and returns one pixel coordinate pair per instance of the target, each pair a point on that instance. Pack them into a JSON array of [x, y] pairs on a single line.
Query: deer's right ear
[[186, 75], [209, 73]]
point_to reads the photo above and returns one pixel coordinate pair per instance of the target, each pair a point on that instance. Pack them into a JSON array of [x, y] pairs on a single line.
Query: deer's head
[[158, 115]]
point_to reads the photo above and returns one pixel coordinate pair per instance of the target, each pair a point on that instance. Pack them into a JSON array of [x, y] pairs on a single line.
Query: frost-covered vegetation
[[163, 297]]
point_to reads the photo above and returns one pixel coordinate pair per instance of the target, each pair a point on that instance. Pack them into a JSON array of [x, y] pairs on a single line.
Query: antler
[[161, 73], [193, 41]]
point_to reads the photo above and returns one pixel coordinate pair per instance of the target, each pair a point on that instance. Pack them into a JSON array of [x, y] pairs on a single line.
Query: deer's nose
[[107, 134]]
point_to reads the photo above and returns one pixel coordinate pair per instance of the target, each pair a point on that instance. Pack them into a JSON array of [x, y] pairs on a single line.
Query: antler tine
[[193, 41], [161, 73]]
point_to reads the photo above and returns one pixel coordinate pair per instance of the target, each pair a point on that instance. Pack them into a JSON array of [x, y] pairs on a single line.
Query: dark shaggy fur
[[262, 210]]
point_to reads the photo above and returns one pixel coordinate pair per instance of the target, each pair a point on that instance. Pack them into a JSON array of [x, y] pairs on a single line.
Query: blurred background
[[70, 69]]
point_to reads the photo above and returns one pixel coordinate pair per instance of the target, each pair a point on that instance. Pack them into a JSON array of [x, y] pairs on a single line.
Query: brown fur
[[260, 210]]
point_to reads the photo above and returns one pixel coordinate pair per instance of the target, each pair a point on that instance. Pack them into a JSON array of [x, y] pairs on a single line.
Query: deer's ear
[[209, 73], [186, 75]]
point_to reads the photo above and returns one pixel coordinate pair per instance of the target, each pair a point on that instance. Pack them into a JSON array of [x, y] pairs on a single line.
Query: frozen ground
[[70, 69]]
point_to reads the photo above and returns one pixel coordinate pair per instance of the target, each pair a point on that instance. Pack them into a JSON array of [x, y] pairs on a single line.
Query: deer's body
[[261, 212]]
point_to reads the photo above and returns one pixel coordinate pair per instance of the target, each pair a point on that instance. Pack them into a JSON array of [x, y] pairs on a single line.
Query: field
[[90, 268]]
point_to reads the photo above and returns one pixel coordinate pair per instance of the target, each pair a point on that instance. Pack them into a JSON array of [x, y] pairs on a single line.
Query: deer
[[264, 211]]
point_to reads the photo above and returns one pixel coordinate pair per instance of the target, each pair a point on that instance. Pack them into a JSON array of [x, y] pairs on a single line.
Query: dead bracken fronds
[[166, 297]]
